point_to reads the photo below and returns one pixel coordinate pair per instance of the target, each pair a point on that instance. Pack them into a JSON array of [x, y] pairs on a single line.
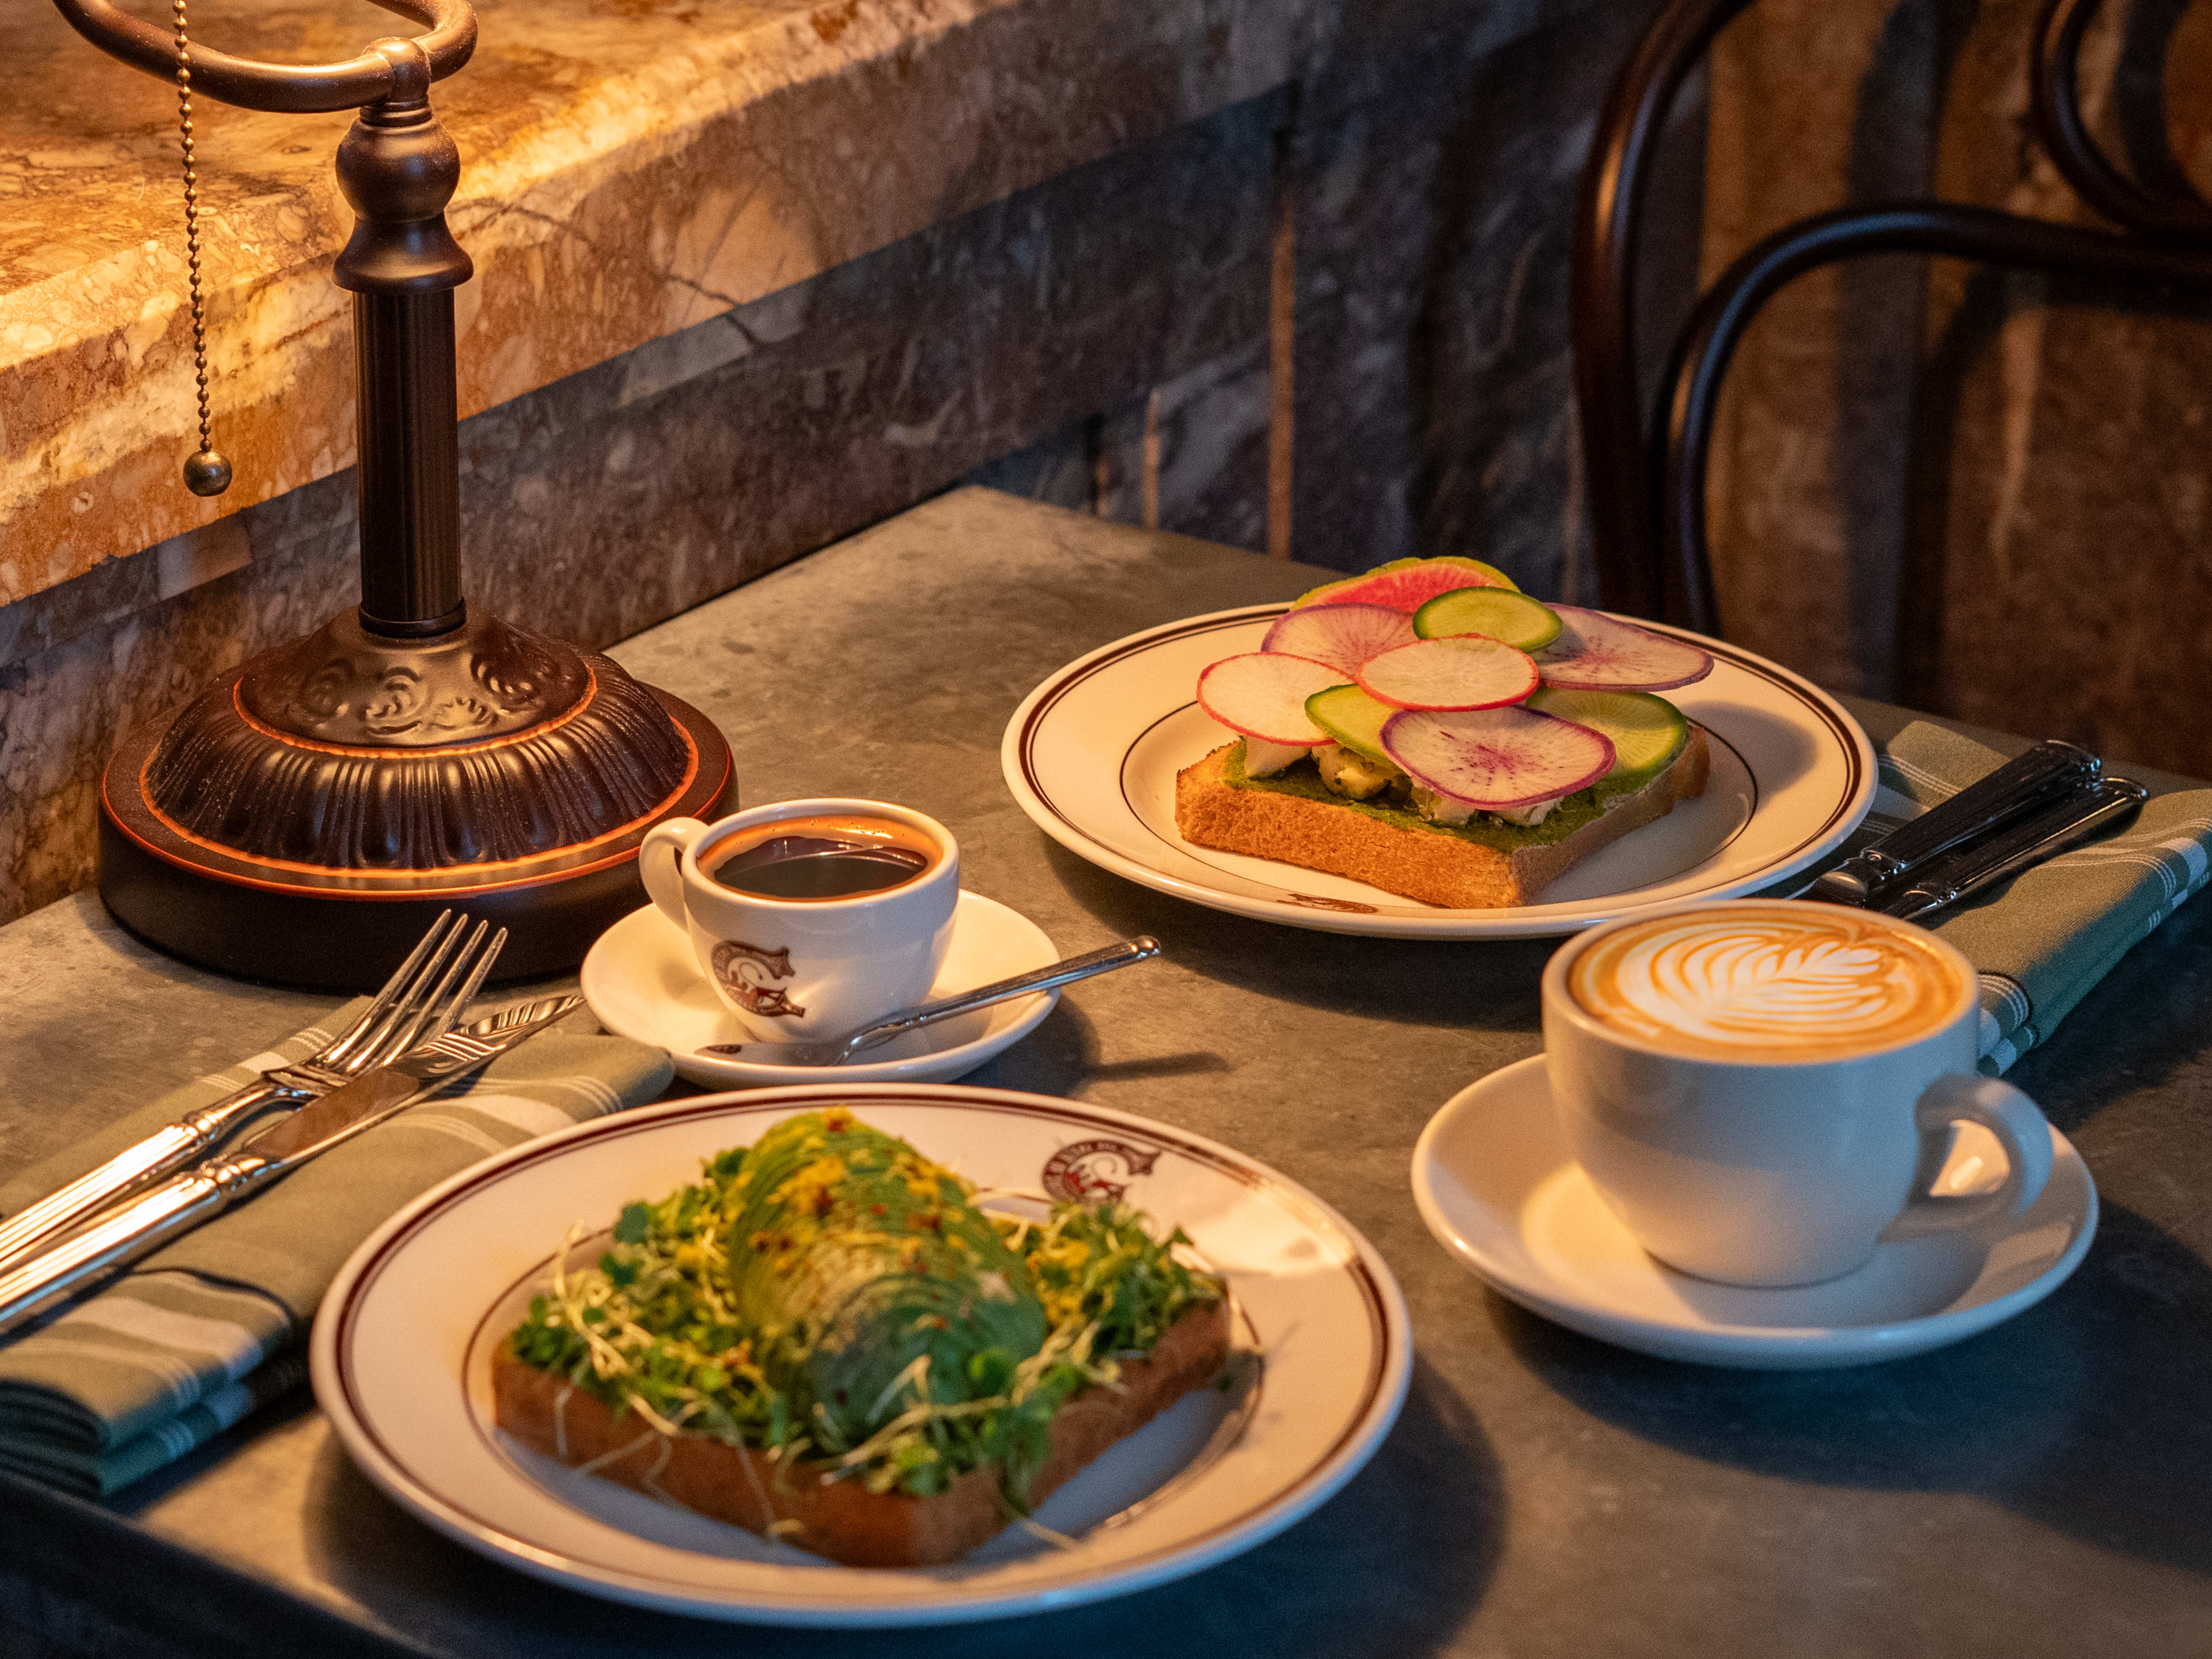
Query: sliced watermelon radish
[[1263, 695], [1342, 635], [1496, 759], [1598, 653], [1463, 671], [1406, 584], [1524, 624]]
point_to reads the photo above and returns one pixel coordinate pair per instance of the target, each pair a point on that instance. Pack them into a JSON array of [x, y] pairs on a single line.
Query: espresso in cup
[[834, 856], [1764, 1092], [1751, 981]]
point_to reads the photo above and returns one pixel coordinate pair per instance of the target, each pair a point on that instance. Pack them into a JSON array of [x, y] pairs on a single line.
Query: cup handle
[[659, 863], [2020, 1127]]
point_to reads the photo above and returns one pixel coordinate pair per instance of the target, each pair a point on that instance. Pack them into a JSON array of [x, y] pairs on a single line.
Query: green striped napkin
[[204, 1330], [2043, 941]]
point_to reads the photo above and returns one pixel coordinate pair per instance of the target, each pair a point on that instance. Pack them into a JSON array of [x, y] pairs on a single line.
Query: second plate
[[1091, 756]]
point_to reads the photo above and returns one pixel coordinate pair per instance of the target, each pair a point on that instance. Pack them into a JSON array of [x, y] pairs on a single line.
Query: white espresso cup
[[1764, 1092], [795, 969]]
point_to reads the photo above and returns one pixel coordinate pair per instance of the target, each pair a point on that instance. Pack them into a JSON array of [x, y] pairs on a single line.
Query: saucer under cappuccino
[[1766, 982]]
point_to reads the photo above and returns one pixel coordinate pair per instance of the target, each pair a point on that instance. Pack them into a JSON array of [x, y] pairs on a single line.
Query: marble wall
[[1104, 338]]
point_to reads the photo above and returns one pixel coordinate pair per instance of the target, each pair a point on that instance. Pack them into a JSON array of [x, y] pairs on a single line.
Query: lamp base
[[246, 882]]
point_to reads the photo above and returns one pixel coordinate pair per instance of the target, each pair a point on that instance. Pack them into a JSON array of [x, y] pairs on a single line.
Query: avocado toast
[[1429, 730], [825, 1339]]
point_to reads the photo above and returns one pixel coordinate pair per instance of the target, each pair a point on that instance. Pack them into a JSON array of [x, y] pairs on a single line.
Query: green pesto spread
[[833, 1296], [1301, 779]]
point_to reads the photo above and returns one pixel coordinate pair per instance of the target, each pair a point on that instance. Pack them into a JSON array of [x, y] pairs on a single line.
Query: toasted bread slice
[[1484, 869], [841, 1519]]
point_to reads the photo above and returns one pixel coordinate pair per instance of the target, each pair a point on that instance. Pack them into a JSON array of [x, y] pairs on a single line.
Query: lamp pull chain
[[207, 472]]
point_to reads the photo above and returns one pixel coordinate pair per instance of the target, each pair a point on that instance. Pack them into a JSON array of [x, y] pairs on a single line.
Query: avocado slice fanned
[[855, 1258]]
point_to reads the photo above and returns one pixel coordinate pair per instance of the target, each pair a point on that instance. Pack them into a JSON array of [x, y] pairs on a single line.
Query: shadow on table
[[1392, 1566], [1489, 986], [2091, 1413], [1061, 1057]]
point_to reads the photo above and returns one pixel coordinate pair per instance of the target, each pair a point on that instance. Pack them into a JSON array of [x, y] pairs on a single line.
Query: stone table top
[[2039, 1490], [629, 168]]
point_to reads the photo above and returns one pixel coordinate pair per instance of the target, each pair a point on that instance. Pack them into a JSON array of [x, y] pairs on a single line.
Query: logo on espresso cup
[[746, 972]]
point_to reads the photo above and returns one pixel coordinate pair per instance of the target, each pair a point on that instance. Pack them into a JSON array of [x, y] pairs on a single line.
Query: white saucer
[[644, 982], [1495, 1182]]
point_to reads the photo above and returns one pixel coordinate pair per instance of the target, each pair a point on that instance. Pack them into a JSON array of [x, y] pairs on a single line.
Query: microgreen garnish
[[832, 1296]]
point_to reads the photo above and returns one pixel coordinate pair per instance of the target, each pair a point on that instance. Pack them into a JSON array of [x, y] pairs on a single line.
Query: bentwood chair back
[[1645, 463]]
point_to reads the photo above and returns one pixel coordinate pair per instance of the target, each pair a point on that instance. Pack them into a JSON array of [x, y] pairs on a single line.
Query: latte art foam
[[1755, 981]]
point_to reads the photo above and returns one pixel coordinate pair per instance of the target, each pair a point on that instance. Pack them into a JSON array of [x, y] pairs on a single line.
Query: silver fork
[[399, 1016]]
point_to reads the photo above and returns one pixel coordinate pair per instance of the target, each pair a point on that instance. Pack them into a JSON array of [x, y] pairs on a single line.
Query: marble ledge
[[630, 167]]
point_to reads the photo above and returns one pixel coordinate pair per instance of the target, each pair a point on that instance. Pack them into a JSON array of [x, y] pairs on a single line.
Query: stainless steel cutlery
[[416, 1004], [133, 1228], [2033, 808], [2049, 772]]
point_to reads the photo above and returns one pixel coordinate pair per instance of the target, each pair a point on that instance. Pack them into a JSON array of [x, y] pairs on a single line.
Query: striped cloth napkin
[[2043, 941], [208, 1328]]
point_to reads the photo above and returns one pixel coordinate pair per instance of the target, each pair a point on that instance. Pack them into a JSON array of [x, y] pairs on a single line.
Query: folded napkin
[[210, 1327], [2046, 938]]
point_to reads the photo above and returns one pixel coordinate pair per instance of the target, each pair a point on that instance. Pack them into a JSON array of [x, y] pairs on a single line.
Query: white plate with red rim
[[401, 1358], [1091, 756]]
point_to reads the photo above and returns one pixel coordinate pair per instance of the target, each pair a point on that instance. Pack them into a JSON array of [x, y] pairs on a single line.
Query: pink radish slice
[[1263, 695], [1598, 653], [1342, 635], [1459, 672], [1406, 584], [1497, 758]]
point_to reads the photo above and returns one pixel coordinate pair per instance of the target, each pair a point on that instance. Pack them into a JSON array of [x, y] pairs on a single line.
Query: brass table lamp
[[304, 820]]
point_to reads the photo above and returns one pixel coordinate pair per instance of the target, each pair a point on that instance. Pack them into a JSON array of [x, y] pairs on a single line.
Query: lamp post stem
[[410, 476]]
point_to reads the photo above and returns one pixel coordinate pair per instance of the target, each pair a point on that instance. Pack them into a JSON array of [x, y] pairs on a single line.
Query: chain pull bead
[[207, 472]]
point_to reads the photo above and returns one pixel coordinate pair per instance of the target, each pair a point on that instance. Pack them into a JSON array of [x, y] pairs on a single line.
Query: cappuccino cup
[[1764, 1092], [810, 918]]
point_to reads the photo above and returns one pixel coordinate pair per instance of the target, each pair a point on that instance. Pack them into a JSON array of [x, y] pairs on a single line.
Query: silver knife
[[2045, 835], [2049, 772], [406, 1011], [176, 1207]]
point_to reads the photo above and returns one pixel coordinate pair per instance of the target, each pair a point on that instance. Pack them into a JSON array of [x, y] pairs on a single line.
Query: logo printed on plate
[[1079, 1174], [1313, 902]]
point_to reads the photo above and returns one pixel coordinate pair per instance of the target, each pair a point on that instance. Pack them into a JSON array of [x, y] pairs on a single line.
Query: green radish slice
[[1463, 671], [1263, 695], [1496, 759], [1646, 732], [1345, 636], [1498, 613], [1408, 584], [1598, 653], [1353, 718]]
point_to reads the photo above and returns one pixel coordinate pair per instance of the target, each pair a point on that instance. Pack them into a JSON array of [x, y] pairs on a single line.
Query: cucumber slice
[[1647, 731], [1498, 613], [1353, 718]]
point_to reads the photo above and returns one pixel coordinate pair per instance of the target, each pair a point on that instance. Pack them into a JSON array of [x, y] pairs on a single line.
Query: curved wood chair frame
[[1646, 469]]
